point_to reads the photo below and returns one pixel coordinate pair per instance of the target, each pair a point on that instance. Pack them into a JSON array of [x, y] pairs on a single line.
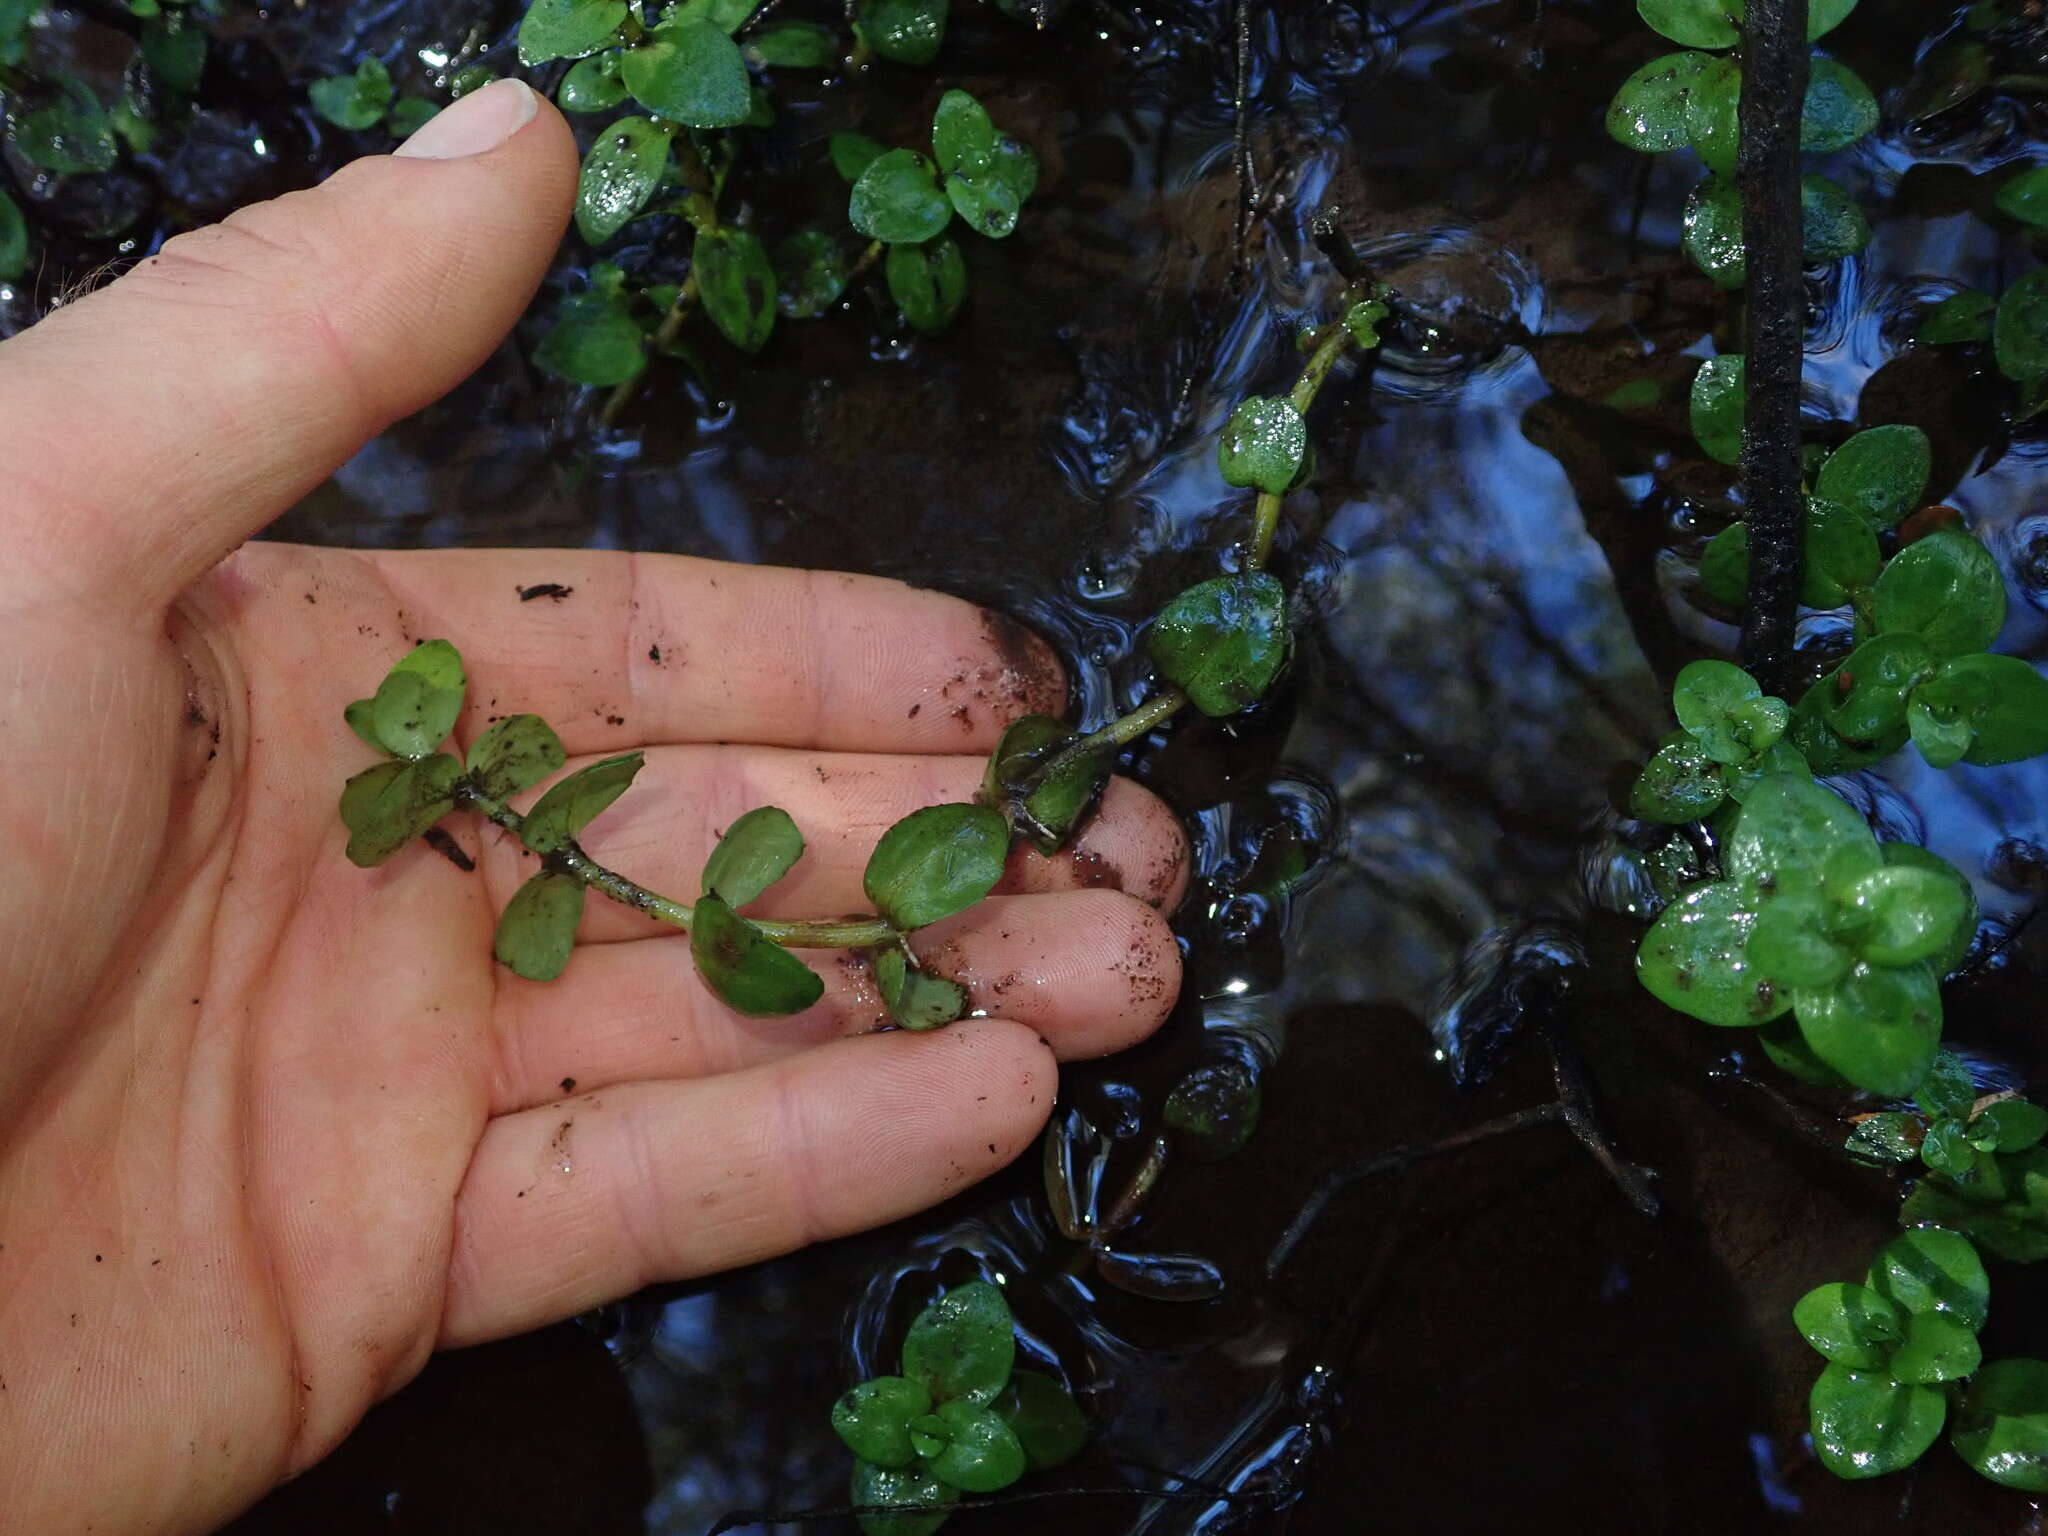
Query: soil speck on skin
[[654, 654], [568, 1085], [549, 589], [1031, 676], [1093, 872], [614, 719]]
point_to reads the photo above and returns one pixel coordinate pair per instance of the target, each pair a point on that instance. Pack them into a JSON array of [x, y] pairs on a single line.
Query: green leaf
[[1931, 1269], [1649, 112], [756, 851], [573, 803], [72, 135], [1947, 1149], [690, 72], [2002, 699], [515, 753], [175, 49], [1724, 568], [2025, 197], [1838, 110], [1713, 232], [593, 341], [1833, 222], [874, 1419], [2001, 1426], [361, 717], [568, 29], [1936, 1349], [1695, 958], [1946, 588], [1780, 757], [853, 153], [1045, 1417], [1719, 394], [387, 806], [420, 699], [1705, 696], [1695, 23], [795, 45], [1951, 955], [537, 929], [749, 971], [1868, 698], [1680, 783], [1849, 1324], [1263, 444], [736, 284], [13, 240], [1793, 834], [1790, 943], [1223, 640], [1216, 1107], [897, 199], [1881, 473], [903, 31], [1045, 811], [1865, 1424], [2019, 331], [810, 274], [592, 84], [1363, 321], [1960, 317], [624, 166], [409, 114], [962, 1345], [1790, 1054], [1711, 114], [1948, 1090], [928, 281], [1900, 914], [2011, 1125], [1943, 737], [1842, 557], [922, 1497], [916, 999], [1890, 1137], [982, 1453], [356, 101], [963, 137], [1879, 1026], [935, 862]]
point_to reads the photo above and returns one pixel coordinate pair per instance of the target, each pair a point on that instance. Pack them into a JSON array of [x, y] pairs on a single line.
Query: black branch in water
[[1775, 67]]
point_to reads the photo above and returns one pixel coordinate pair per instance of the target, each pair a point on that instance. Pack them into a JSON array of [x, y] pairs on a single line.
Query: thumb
[[151, 427]]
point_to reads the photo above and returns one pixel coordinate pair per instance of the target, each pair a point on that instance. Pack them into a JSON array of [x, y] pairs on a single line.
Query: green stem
[[802, 933], [665, 336], [1266, 510], [868, 258]]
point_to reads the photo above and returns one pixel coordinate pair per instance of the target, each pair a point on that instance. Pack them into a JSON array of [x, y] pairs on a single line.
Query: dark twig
[[740, 1519], [1575, 1099], [1775, 66], [1241, 134]]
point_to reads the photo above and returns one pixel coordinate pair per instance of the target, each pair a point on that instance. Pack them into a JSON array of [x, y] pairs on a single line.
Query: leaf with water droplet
[[1866, 1425], [1216, 1107], [897, 199], [1263, 444], [537, 929], [1681, 782], [1945, 588], [625, 164], [568, 29], [1649, 112], [915, 1502], [2001, 1426], [1695, 23], [1930, 1269], [962, 1345], [1223, 641], [1879, 1026], [592, 84], [1881, 473], [1849, 1324], [1838, 110], [1712, 110], [70, 135], [2004, 699], [1695, 958], [810, 274], [903, 31], [874, 1419], [963, 137], [1719, 398]]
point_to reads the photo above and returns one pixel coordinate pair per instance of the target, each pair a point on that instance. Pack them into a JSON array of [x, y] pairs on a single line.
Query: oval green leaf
[[961, 1346], [1879, 1026], [1838, 110], [1865, 1424], [810, 274], [1900, 914], [355, 101], [1719, 395], [935, 862], [2019, 330], [568, 29], [1263, 444], [2002, 1424], [2025, 197], [897, 199], [916, 999], [1931, 1269], [903, 31], [1881, 473], [576, 801], [795, 45], [592, 84], [1223, 641], [756, 851], [928, 281], [1695, 23], [1047, 1420], [619, 175], [982, 1453], [593, 342], [1695, 959], [1961, 317], [1850, 1324], [874, 1419], [1947, 589], [537, 929], [386, 807], [749, 971], [736, 285], [420, 699], [878, 1492], [1649, 112], [690, 72]]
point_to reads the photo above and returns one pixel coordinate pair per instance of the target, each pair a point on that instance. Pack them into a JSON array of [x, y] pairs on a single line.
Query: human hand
[[272, 1127]]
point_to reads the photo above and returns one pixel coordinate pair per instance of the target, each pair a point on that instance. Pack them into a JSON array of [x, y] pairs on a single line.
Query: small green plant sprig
[[59, 124], [959, 1419], [1219, 646], [1903, 1360], [1688, 100], [1986, 1170], [367, 98], [2016, 322]]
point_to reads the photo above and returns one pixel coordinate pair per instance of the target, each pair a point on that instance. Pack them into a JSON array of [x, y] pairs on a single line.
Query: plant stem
[[802, 933], [868, 258], [1775, 67], [1266, 511], [665, 336]]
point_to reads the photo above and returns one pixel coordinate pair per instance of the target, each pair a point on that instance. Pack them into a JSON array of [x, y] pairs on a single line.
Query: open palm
[[272, 1128]]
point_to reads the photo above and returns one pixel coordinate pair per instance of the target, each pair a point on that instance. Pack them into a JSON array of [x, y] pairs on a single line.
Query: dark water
[[1497, 565]]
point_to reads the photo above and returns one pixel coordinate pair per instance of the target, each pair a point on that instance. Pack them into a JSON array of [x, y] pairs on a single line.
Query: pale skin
[[274, 1128]]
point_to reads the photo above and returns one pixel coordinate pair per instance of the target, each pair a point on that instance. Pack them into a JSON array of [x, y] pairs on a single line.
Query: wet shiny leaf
[[1695, 23], [1961, 317], [922, 1497], [1713, 232], [961, 1346], [1865, 1424], [417, 704], [354, 101], [574, 802], [1822, 16], [1879, 1026], [903, 31], [1711, 115], [1215, 1106], [1842, 557], [1838, 111], [513, 754], [1790, 1054], [1708, 697], [2001, 1424], [2025, 197], [1718, 398], [1223, 641], [1263, 444], [916, 999], [1834, 222], [624, 166], [1947, 589], [928, 281], [1649, 112], [689, 72], [2011, 1125], [982, 1452], [1795, 835], [593, 341], [874, 1419], [756, 851], [386, 807], [1948, 1089], [592, 84], [935, 862], [1931, 1269], [71, 135], [409, 114], [1695, 959], [2004, 700], [736, 285], [853, 153], [1936, 1349], [1890, 1137], [796, 45], [897, 199], [810, 274], [537, 929], [1046, 1419], [2019, 331], [1680, 783], [963, 137], [1850, 1324], [568, 29], [1899, 914], [1881, 473], [749, 971], [1724, 568], [1791, 945], [1044, 809], [1868, 698]]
